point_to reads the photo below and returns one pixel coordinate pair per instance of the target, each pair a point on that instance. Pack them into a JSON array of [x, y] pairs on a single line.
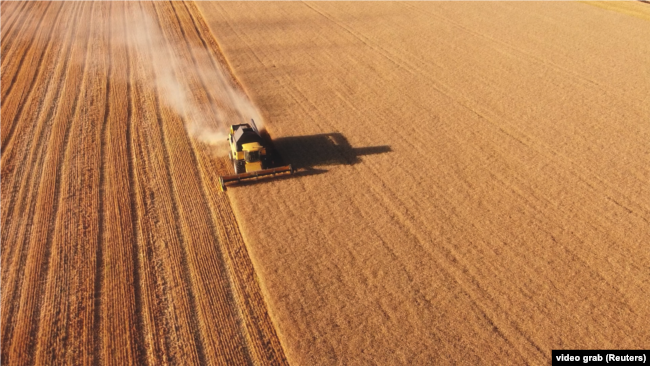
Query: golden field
[[473, 184]]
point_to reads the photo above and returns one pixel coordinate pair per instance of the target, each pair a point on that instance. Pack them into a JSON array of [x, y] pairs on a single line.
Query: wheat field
[[480, 177], [472, 186]]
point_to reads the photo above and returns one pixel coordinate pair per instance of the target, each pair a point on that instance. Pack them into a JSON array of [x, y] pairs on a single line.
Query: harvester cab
[[250, 155], [246, 149]]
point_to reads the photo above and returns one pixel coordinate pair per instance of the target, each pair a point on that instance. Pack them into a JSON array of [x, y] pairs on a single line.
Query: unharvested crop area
[[480, 191], [474, 182]]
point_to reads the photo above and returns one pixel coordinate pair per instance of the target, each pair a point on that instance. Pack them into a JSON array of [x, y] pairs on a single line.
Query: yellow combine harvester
[[251, 155]]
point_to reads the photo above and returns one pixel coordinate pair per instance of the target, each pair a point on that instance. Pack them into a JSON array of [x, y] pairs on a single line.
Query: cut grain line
[[120, 342], [257, 318], [37, 152], [205, 47], [23, 100], [10, 36], [139, 336], [36, 148], [164, 345], [8, 20], [228, 291], [219, 60], [68, 302], [187, 278], [21, 257], [185, 273], [4, 3], [38, 248], [54, 218], [155, 307], [100, 272], [22, 58], [28, 98], [14, 247], [245, 285], [217, 57], [238, 306]]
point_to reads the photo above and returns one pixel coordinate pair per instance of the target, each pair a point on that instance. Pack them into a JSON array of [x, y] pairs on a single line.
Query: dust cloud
[[187, 77], [179, 78]]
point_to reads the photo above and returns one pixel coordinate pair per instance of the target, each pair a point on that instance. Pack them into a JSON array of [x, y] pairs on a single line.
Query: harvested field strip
[[96, 328], [265, 346], [48, 201], [25, 79], [13, 62], [117, 246], [70, 323], [169, 340], [213, 302], [17, 235]]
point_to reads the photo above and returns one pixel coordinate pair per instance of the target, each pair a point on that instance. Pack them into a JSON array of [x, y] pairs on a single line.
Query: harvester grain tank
[[251, 155]]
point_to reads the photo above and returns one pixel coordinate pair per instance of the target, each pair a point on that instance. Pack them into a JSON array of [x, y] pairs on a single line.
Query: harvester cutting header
[[251, 155]]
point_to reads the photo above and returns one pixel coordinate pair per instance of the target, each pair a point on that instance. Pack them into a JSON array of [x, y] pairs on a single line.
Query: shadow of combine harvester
[[308, 152], [308, 155]]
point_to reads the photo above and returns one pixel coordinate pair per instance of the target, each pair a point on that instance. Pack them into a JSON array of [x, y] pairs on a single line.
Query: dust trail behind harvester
[[200, 91], [186, 76]]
